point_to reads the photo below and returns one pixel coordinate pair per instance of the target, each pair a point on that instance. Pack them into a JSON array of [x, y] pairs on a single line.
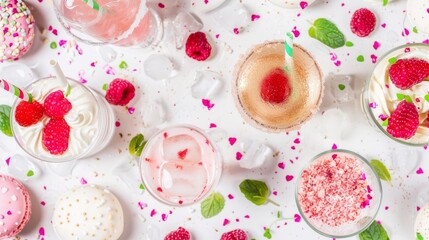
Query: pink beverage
[[180, 165], [119, 22]]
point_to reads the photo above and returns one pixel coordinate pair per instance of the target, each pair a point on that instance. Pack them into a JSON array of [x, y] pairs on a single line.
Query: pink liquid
[[112, 22], [179, 166]]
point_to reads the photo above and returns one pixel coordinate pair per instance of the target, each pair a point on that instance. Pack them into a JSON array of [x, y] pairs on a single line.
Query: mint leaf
[[419, 236], [30, 173], [385, 123], [360, 58], [408, 99], [427, 97], [385, 2], [136, 145], [381, 170], [123, 65], [141, 187], [374, 232], [256, 191], [400, 96], [212, 205], [415, 30], [327, 33], [5, 120], [349, 44], [267, 233], [341, 86], [393, 60]]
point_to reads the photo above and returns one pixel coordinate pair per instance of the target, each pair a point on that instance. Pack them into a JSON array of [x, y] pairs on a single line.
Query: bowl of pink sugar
[[338, 194]]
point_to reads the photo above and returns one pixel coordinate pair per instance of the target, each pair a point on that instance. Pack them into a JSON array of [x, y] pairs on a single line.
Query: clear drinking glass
[[118, 22]]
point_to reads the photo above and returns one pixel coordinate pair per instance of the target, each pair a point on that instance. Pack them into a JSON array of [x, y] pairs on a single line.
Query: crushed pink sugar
[[333, 191]]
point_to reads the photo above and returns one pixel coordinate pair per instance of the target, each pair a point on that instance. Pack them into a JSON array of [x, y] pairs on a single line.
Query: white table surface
[[352, 132]]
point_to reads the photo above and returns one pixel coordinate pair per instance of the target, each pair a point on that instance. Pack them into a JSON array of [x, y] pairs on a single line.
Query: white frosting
[[418, 14], [88, 213], [290, 3], [386, 97], [82, 120], [421, 225]]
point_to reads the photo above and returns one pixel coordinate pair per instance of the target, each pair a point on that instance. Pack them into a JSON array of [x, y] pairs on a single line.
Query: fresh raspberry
[[406, 73], [237, 234], [275, 87], [404, 121], [56, 105], [120, 92], [363, 22], [198, 47], [179, 234], [27, 114], [56, 135]]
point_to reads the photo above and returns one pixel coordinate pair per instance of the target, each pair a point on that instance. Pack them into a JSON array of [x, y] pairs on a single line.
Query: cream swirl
[[82, 119], [383, 93]]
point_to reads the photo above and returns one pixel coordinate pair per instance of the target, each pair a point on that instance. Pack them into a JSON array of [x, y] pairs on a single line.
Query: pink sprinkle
[[275, 193], [83, 181], [337, 63], [131, 110], [92, 64], [303, 4], [334, 146], [297, 218], [152, 213], [293, 147], [109, 70], [386, 208], [281, 165], [297, 141], [208, 104], [212, 125], [230, 196], [79, 50], [334, 156], [418, 208], [55, 32], [232, 140], [369, 189], [238, 156], [9, 212], [225, 222], [217, 35], [41, 231], [62, 43], [405, 32], [236, 31], [161, 5], [425, 147], [246, 216], [295, 32], [374, 58], [8, 161], [363, 177], [376, 45], [333, 56], [383, 25], [164, 217], [419, 171], [289, 178], [426, 41], [42, 203], [255, 17], [373, 105], [117, 124], [142, 205]]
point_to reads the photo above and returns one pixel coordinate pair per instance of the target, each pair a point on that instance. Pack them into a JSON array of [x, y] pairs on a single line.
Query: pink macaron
[[15, 207], [17, 29]]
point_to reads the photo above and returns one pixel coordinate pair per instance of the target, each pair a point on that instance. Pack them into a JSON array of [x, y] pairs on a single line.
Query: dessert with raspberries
[[272, 98], [397, 95], [58, 127]]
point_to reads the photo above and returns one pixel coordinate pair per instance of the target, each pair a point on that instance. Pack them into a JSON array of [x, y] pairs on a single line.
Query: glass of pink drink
[[118, 22], [180, 165]]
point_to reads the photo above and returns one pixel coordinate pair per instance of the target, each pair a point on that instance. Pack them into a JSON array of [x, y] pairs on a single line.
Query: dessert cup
[[380, 96], [180, 165], [91, 122], [366, 211], [305, 95]]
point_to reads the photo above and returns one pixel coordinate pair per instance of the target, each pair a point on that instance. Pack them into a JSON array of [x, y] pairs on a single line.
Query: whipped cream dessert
[[83, 120], [384, 96], [421, 225]]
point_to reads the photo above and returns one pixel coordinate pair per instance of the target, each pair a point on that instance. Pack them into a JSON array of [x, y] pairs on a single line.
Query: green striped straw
[[289, 53], [93, 4], [16, 91]]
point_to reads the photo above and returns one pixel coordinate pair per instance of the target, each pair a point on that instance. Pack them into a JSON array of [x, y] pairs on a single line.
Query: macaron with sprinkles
[[15, 207], [88, 212], [17, 29]]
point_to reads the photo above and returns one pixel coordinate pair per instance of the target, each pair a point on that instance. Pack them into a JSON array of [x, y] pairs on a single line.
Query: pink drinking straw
[[16, 91]]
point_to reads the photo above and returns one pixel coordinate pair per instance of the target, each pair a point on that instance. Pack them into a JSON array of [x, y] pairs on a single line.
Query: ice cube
[[201, 6], [23, 168], [107, 53], [332, 123], [234, 17], [62, 169], [255, 154], [154, 114], [181, 147], [184, 24], [184, 179], [404, 160], [341, 88], [17, 73], [128, 173], [159, 67], [151, 232], [207, 85]]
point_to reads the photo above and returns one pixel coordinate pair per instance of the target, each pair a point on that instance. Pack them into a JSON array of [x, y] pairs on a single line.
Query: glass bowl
[[364, 215]]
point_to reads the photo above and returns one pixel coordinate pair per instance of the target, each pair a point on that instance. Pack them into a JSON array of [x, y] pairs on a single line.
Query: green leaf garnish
[[212, 205], [385, 2], [419, 236], [327, 33], [341, 86], [141, 187], [123, 65], [393, 60], [279, 215], [136, 145], [349, 44], [267, 233], [30, 173], [53, 45], [385, 123], [427, 97], [400, 96], [5, 120], [68, 91], [374, 232], [408, 99], [381, 170], [360, 58], [415, 30], [105, 86], [256, 191]]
